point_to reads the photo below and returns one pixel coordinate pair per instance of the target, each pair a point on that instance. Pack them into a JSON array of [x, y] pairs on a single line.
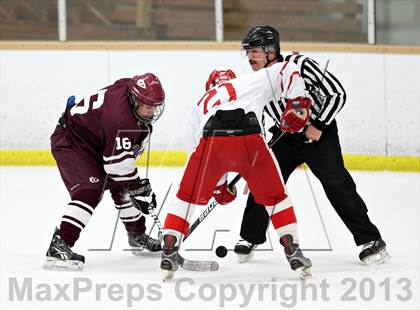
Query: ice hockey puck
[[221, 251]]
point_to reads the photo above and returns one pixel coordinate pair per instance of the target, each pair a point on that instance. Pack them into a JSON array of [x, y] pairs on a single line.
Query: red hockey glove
[[296, 114], [223, 194]]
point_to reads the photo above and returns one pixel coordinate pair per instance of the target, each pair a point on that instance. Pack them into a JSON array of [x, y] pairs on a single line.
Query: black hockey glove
[[143, 197]]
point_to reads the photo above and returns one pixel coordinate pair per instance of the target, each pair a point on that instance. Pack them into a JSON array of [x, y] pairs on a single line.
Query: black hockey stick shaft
[[209, 209], [201, 217], [235, 180]]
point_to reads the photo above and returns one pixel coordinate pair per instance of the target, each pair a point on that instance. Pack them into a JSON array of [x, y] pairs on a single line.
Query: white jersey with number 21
[[249, 92]]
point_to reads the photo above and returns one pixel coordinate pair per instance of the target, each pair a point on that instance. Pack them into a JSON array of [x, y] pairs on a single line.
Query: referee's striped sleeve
[[329, 95]]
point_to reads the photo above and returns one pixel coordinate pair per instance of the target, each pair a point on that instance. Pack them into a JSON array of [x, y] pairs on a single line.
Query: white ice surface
[[32, 200]]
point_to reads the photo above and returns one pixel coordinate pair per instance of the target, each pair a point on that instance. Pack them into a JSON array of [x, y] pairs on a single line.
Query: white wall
[[381, 115]]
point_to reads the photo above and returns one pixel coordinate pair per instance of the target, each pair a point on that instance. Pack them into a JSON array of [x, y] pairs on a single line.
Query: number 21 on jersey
[[215, 95]]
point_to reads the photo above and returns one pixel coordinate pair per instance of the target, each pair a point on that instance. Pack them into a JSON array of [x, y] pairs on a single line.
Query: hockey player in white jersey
[[226, 135]]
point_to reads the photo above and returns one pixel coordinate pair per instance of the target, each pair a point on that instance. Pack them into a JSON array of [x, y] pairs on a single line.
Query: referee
[[318, 146]]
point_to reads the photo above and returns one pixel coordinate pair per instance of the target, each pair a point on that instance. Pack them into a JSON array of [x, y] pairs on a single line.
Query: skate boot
[[374, 252], [61, 257], [244, 250], [297, 261], [170, 257], [143, 245]]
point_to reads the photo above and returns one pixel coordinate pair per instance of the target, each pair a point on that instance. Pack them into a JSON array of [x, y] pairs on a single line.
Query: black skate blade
[[52, 263]]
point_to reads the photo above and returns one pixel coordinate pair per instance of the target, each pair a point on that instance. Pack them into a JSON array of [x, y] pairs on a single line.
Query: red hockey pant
[[214, 156]]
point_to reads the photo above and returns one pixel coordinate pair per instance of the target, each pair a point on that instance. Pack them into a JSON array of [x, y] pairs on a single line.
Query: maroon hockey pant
[[83, 174]]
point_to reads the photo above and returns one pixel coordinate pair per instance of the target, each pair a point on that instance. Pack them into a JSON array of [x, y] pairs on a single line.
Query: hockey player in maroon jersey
[[95, 146], [225, 135]]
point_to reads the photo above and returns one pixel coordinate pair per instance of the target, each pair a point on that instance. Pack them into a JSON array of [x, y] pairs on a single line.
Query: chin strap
[[133, 106], [134, 110], [279, 58], [268, 62]]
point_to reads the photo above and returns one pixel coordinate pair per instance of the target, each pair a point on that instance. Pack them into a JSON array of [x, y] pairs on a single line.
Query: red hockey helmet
[[146, 90], [219, 76]]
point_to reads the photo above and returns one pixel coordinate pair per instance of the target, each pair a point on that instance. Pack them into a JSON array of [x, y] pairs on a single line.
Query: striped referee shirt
[[326, 91]]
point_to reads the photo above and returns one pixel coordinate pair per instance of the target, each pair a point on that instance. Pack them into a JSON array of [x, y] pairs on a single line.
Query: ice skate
[[244, 250], [170, 257], [61, 257], [143, 245], [374, 252], [297, 261]]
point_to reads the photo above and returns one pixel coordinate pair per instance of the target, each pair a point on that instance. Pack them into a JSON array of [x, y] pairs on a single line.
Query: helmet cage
[[160, 106]]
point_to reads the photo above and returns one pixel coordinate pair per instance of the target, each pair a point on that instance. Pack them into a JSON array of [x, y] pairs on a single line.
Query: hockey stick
[[192, 265], [235, 180]]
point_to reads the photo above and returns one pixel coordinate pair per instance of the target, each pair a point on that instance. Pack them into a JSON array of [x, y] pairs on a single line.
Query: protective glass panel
[[299, 20], [140, 20], [28, 20], [398, 22]]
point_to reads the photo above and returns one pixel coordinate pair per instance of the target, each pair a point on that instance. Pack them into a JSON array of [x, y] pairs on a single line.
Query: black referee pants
[[325, 160]]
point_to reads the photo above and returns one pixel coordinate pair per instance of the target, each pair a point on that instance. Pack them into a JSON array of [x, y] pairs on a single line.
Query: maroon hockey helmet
[[219, 76], [147, 90]]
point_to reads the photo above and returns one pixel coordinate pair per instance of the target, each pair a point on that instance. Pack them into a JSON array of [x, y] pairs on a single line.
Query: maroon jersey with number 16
[[101, 137]]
